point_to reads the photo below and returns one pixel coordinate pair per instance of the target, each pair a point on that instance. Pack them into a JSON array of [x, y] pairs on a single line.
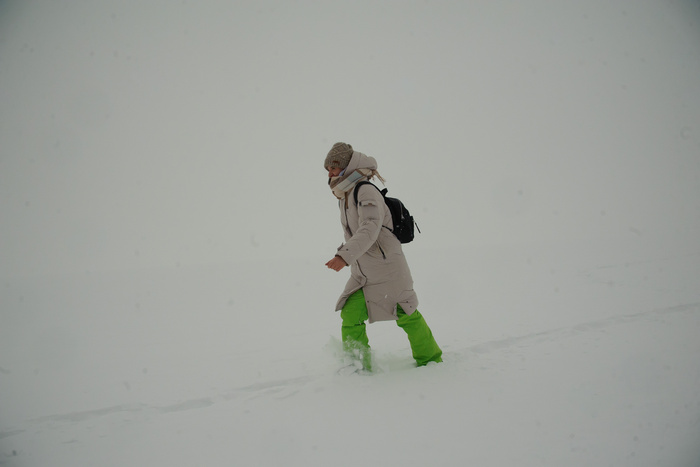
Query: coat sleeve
[[371, 217]]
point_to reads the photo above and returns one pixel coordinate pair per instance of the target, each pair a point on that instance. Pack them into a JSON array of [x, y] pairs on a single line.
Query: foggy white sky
[[148, 133]]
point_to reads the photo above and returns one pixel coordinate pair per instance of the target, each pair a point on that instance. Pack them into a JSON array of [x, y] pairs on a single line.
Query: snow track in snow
[[286, 388]]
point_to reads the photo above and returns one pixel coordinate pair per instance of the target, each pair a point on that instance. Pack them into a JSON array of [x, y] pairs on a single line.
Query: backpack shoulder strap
[[357, 188]]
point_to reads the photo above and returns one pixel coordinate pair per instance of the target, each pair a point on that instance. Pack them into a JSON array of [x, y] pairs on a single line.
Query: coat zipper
[[347, 223]]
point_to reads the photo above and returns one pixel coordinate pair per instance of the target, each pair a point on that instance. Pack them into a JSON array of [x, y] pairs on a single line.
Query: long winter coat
[[376, 259]]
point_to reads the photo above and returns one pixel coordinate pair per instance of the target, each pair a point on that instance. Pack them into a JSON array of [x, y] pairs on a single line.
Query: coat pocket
[[376, 251]]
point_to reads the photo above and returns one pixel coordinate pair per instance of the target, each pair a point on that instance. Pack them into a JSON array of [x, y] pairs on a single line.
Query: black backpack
[[400, 217]]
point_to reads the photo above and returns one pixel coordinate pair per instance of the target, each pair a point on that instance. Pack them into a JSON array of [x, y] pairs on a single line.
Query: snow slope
[[590, 363], [165, 221]]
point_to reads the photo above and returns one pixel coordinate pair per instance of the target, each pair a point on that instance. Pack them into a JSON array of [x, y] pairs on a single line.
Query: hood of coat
[[361, 161]]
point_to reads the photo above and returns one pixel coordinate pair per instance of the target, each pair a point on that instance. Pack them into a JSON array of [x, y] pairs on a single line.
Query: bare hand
[[336, 264]]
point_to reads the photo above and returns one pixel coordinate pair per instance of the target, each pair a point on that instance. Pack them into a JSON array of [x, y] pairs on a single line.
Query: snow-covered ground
[[165, 221], [548, 361]]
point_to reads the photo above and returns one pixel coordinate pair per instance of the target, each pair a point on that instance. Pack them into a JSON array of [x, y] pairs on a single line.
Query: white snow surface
[[166, 219]]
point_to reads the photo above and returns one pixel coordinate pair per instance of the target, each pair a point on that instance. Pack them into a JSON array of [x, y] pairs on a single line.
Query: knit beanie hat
[[339, 156]]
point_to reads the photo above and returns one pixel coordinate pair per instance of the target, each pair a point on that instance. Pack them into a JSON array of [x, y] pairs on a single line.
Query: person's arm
[[370, 207]]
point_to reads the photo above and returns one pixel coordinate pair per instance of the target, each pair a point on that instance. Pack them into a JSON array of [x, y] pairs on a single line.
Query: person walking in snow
[[380, 287]]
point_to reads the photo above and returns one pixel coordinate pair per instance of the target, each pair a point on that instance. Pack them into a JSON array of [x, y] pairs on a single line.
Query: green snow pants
[[356, 342]]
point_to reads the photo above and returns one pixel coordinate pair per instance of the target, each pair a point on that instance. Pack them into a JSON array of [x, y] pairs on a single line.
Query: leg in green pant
[[354, 332], [423, 345], [356, 342]]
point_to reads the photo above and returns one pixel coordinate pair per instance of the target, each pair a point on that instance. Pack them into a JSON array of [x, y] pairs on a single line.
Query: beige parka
[[376, 259]]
